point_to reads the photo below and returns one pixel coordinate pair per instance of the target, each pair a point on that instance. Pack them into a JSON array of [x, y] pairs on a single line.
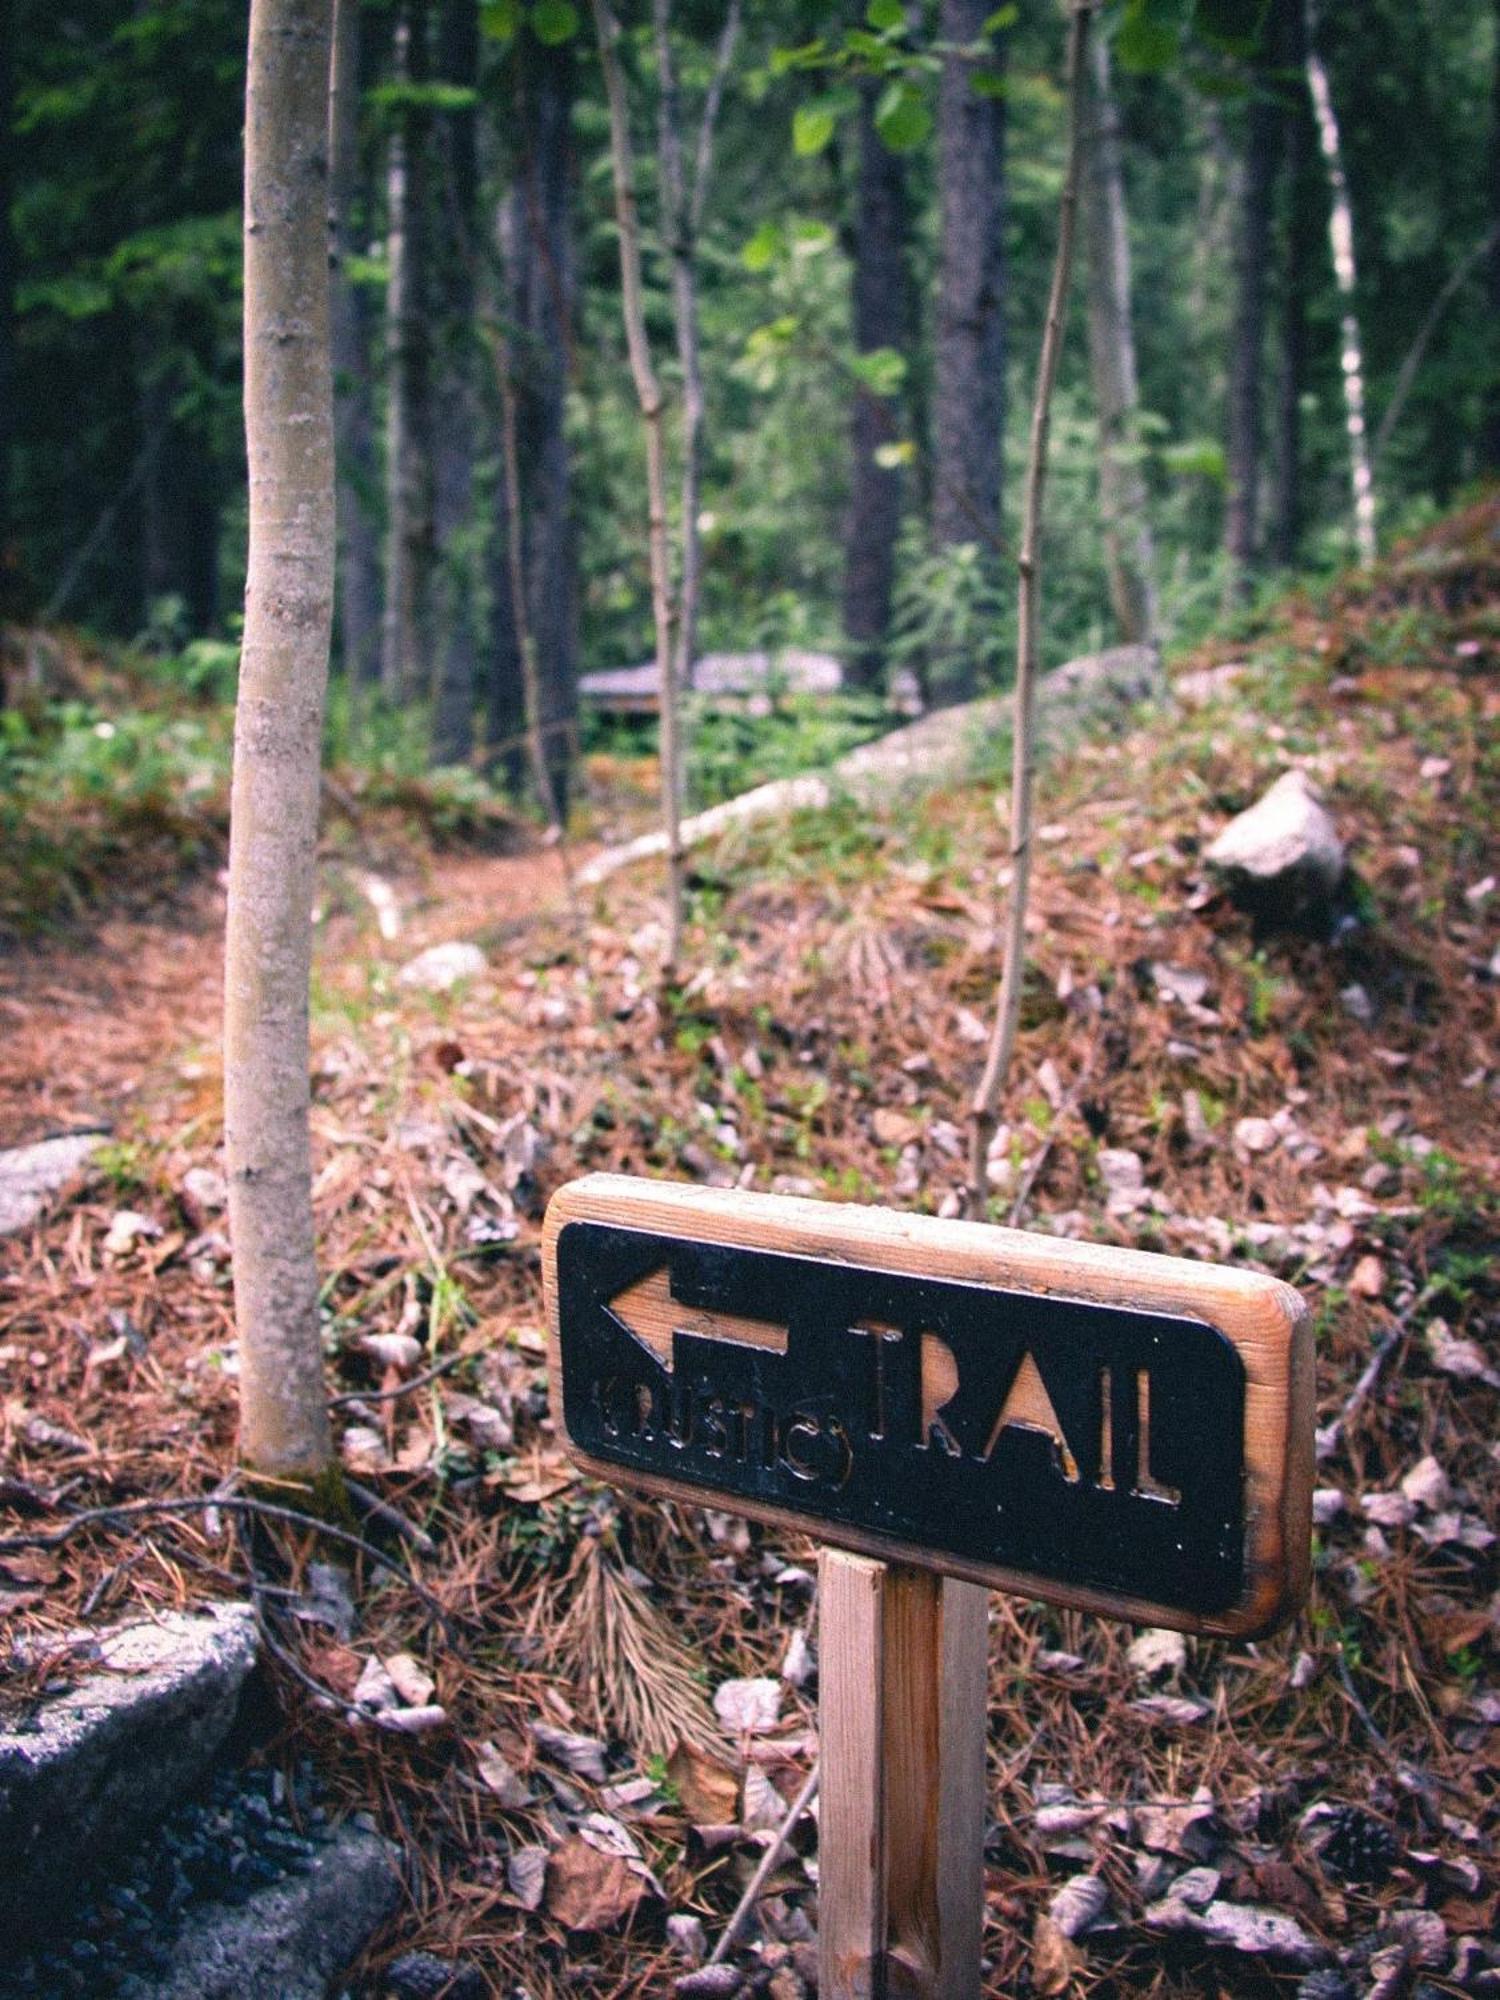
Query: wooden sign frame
[[791, 1244]]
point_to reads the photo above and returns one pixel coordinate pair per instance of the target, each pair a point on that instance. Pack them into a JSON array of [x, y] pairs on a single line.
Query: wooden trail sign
[[1103, 1428], [960, 1406]]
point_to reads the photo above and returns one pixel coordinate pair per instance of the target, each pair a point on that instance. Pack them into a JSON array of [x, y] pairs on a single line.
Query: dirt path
[[94, 1024]]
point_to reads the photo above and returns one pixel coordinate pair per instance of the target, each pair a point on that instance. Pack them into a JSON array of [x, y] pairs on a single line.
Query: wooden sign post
[[962, 1407]]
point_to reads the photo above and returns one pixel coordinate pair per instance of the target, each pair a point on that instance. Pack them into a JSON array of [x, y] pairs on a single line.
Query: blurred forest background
[[870, 260]]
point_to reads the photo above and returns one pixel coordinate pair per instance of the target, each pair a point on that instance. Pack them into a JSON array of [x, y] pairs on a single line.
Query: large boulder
[[1282, 859], [98, 1763], [290, 1940]]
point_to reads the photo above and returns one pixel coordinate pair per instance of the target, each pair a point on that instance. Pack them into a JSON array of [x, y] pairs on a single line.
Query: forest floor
[[619, 1699]]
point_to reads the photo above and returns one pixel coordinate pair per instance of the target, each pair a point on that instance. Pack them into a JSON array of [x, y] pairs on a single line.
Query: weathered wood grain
[[1263, 1319]]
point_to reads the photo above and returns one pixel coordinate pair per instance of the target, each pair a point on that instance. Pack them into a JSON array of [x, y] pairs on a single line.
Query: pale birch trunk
[[664, 604], [1351, 348], [1028, 642], [284, 1432], [1129, 552]]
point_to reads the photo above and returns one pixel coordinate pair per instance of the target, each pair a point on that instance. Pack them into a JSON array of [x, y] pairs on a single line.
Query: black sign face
[[1085, 1445]]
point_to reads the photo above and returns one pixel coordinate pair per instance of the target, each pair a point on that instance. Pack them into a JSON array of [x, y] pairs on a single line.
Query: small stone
[[1255, 1135], [31, 1175], [442, 966], [688, 1937]]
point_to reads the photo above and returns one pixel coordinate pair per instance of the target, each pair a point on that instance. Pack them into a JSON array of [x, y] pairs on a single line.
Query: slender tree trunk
[[454, 406], [1252, 247], [968, 414], [664, 605], [1489, 443], [9, 560], [407, 628], [1028, 639], [1351, 349], [1296, 264], [284, 1430], [515, 548], [354, 416], [1128, 548], [539, 233], [882, 318], [682, 216]]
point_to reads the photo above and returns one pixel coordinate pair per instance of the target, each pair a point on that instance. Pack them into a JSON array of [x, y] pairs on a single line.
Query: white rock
[[1255, 1135], [442, 966], [31, 1175], [1286, 838]]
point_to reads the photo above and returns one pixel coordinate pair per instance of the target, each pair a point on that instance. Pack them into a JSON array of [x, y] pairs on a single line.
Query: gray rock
[[442, 966], [1283, 858], [290, 1940], [31, 1175], [99, 1764]]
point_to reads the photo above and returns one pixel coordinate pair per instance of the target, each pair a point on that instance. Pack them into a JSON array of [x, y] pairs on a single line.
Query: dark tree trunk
[[539, 232], [1247, 333], [354, 415], [1299, 233], [9, 563], [1490, 439], [454, 409], [968, 416], [881, 319], [407, 629]]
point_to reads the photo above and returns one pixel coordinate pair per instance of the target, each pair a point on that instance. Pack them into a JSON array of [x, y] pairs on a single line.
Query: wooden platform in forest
[[734, 679]]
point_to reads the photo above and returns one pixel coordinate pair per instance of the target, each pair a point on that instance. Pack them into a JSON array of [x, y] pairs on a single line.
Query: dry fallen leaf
[[708, 1788], [500, 1777], [591, 1891], [411, 1680], [748, 1707], [526, 1876]]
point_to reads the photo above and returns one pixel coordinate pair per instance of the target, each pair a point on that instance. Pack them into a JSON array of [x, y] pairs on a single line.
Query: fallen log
[[942, 748]]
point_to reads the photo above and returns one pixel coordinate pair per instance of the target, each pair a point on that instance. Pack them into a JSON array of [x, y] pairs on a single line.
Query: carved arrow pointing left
[[650, 1315]]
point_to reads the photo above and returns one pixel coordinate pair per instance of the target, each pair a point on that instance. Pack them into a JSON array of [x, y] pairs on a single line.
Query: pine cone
[[1358, 1847], [1328, 1984], [419, 1975]]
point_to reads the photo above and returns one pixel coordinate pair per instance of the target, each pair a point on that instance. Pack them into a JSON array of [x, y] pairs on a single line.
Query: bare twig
[[1028, 644], [238, 1503], [444, 1367], [1407, 374], [764, 1867], [1331, 1435]]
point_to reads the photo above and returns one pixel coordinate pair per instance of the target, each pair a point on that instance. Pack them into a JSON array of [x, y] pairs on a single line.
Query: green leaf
[[1000, 20], [499, 19], [881, 370], [1150, 36], [886, 14], [554, 22], [1234, 25], [760, 253], [1201, 458], [989, 83], [807, 56], [813, 125], [902, 117]]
